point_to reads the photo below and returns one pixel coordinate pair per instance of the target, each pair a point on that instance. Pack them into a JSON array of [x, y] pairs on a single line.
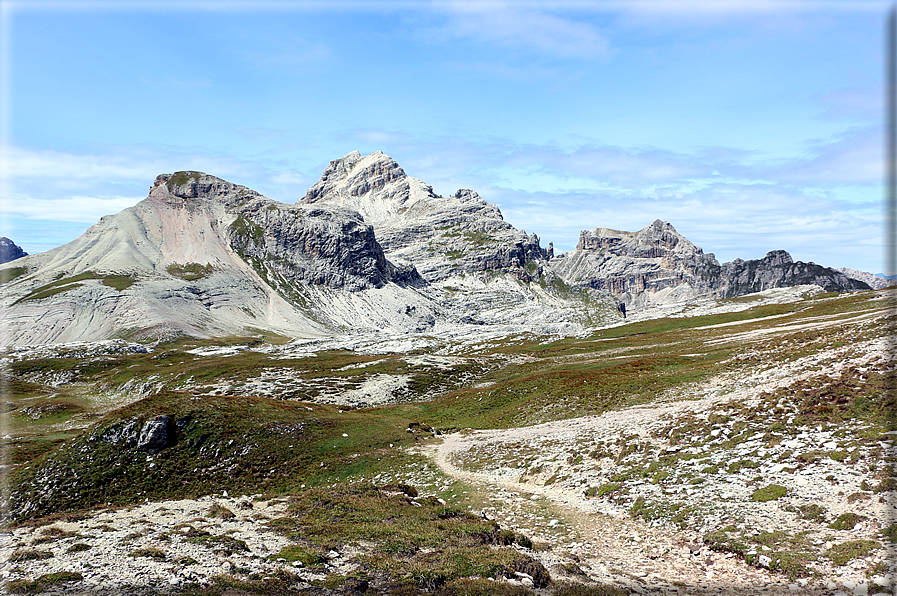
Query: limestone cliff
[[441, 236], [657, 265]]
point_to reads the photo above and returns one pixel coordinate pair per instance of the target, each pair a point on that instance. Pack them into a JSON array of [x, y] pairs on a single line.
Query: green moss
[[788, 553], [890, 533], [813, 512], [307, 556], [119, 282], [150, 553], [55, 287], [42, 583], [247, 229], [770, 492], [842, 554], [29, 555], [846, 521]]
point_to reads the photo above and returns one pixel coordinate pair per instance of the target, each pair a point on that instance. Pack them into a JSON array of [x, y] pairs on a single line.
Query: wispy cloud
[[523, 27], [854, 157], [727, 201], [76, 209]]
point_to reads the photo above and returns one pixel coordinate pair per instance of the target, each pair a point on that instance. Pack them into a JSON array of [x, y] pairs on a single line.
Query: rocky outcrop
[[10, 251], [778, 270], [876, 282], [154, 435], [654, 264], [657, 265], [441, 236]]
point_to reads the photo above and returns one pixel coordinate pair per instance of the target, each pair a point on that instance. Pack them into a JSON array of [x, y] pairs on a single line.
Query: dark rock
[[154, 435], [355, 585], [535, 570], [125, 434], [10, 251]]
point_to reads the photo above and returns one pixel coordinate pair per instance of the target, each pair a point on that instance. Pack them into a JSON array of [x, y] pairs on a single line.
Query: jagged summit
[[441, 236], [657, 265]]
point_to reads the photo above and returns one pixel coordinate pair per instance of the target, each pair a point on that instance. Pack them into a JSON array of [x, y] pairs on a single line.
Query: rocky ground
[[766, 478], [665, 494]]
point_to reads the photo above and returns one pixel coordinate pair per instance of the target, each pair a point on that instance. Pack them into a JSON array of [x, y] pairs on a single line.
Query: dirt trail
[[607, 547]]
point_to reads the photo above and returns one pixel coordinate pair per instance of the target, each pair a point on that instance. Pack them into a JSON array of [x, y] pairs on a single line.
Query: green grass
[[247, 229], [119, 282], [249, 444], [842, 554], [189, 271], [423, 544], [9, 274], [789, 554], [846, 521], [43, 582], [770, 492], [55, 287]]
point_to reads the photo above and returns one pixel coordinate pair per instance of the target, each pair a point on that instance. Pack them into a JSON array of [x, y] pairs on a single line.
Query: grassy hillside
[[252, 421]]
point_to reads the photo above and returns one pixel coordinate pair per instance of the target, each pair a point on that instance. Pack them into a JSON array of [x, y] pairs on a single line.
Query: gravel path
[[539, 477]]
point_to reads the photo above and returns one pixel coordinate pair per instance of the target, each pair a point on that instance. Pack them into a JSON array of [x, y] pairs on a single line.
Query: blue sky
[[749, 125]]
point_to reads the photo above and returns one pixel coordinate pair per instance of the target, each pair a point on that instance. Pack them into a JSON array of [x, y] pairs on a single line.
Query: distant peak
[[355, 175]]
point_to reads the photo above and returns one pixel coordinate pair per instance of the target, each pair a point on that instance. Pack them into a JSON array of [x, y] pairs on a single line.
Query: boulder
[[154, 435]]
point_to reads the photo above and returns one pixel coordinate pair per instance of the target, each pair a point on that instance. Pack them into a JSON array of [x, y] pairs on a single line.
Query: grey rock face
[[125, 434], [778, 270], [154, 435], [873, 281], [10, 251], [659, 265], [440, 236], [632, 263], [198, 185], [322, 245]]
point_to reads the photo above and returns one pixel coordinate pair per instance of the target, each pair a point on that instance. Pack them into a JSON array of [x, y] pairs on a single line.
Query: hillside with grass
[[745, 447]]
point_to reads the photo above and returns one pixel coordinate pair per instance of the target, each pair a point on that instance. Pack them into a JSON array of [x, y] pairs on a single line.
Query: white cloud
[[531, 30], [77, 209], [729, 202]]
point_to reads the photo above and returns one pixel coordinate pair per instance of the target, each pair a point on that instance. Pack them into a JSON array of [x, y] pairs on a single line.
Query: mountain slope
[[368, 251], [194, 258]]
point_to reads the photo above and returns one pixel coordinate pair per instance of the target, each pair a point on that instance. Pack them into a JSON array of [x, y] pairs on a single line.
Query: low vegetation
[[73, 449], [189, 271]]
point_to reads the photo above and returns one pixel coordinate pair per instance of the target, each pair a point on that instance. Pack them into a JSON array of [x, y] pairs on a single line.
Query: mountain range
[[368, 249]]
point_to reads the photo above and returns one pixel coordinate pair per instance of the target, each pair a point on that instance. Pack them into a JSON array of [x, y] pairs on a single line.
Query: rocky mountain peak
[[777, 258], [189, 184], [663, 234], [355, 176], [10, 251]]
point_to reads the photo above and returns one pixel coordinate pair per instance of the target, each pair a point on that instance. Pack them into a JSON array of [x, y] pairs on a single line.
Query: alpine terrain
[[379, 390]]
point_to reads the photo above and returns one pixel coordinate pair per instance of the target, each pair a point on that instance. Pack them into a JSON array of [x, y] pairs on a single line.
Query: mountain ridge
[[366, 249]]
